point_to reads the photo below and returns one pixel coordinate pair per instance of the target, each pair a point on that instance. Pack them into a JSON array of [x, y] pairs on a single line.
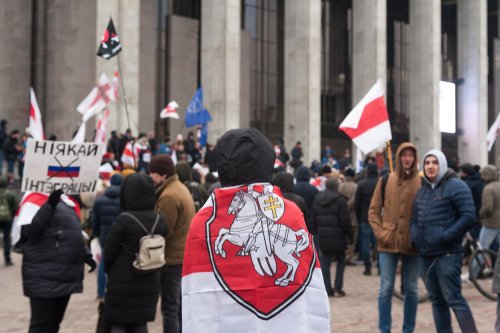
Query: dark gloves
[[55, 197], [91, 262]]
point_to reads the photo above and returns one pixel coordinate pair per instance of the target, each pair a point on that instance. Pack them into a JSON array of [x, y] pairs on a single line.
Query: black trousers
[[47, 314]]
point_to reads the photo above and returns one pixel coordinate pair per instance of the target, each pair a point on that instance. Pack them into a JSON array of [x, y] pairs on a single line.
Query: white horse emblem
[[255, 231]]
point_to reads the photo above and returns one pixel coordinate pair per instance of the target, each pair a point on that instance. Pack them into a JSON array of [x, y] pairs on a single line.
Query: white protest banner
[[72, 167]]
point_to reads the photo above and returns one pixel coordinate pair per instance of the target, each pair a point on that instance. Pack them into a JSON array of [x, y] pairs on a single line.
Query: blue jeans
[[171, 297], [326, 262], [442, 280], [388, 264], [488, 236], [101, 279], [367, 241]]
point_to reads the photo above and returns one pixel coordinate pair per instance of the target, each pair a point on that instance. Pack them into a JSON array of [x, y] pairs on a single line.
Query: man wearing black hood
[[3, 136], [248, 254]]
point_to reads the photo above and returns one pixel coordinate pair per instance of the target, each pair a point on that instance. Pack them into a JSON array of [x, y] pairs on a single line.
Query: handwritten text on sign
[[72, 167]]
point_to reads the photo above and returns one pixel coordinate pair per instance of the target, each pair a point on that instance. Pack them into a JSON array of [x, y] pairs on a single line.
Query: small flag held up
[[110, 43]]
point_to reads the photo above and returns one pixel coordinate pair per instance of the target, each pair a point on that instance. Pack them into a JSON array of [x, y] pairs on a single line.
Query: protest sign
[[72, 167]]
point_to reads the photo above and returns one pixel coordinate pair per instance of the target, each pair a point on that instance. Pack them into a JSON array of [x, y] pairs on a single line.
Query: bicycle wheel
[[481, 267], [398, 291]]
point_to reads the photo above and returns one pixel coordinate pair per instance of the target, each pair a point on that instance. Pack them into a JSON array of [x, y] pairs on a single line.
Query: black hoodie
[[244, 156]]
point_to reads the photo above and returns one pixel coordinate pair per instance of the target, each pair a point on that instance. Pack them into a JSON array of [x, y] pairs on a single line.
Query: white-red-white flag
[[29, 206], [100, 134], [170, 111], [35, 121], [98, 98], [368, 123], [493, 133], [128, 157], [241, 281]]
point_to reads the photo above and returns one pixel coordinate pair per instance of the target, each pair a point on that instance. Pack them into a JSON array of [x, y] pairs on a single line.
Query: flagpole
[[126, 107], [389, 155]]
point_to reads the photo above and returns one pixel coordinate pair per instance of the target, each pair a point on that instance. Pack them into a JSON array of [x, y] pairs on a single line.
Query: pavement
[[355, 313]]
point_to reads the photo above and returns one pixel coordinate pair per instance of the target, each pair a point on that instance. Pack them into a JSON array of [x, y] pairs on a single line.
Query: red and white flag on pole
[[250, 266], [368, 123], [98, 98], [115, 81], [128, 157], [35, 121], [493, 133], [170, 111], [100, 134]]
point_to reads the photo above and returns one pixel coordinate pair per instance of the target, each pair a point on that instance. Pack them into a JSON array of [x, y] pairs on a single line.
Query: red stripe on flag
[[373, 114]]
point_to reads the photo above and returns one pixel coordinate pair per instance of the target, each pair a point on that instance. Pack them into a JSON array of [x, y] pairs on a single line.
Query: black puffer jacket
[[330, 220], [303, 188], [105, 211], [364, 193], [131, 298], [54, 253]]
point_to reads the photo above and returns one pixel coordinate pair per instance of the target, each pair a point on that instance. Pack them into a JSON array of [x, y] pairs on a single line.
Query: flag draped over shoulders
[[250, 266]]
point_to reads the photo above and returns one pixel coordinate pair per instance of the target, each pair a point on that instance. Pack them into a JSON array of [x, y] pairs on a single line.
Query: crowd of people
[[415, 217]]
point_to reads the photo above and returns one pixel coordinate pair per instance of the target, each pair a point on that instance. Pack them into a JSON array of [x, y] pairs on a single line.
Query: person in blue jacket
[[105, 211], [442, 213]]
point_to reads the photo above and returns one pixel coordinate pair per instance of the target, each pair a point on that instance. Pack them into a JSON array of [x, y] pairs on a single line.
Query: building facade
[[293, 69]]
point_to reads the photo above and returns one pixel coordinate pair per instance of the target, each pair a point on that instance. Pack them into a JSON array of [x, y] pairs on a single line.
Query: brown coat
[[348, 189], [490, 198], [390, 218], [175, 201]]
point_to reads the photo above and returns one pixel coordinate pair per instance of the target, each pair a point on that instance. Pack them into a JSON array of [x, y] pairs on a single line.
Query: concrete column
[[369, 47], [70, 63], [220, 64], [302, 118], [15, 62], [424, 73], [473, 93]]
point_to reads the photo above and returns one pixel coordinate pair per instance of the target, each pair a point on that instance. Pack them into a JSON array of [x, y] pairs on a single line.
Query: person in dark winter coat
[[131, 298], [53, 255], [11, 150], [105, 211], [442, 213], [472, 178], [364, 193], [285, 182], [330, 220], [303, 187], [3, 136]]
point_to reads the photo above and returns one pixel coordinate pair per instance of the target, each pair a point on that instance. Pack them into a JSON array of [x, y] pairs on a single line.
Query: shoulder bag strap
[[138, 222]]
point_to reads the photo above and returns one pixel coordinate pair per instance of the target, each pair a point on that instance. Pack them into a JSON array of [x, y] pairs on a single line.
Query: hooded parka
[[390, 216], [131, 298]]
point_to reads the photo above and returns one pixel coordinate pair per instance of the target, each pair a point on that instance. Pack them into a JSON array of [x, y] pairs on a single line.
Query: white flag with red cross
[[98, 98], [368, 123]]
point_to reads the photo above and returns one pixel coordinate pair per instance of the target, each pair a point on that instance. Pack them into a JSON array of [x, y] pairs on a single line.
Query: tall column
[[69, 63], [369, 47], [220, 64], [302, 119], [15, 62], [424, 73], [473, 69]]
